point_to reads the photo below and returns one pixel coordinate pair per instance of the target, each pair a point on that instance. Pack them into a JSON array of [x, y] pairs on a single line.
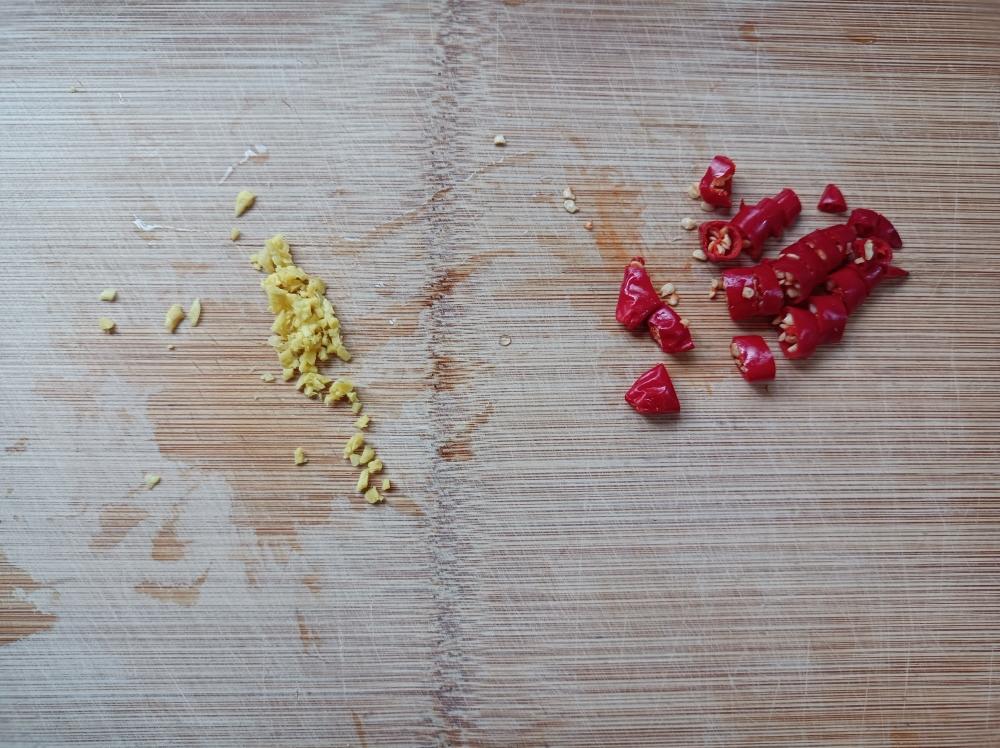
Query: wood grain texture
[[813, 565]]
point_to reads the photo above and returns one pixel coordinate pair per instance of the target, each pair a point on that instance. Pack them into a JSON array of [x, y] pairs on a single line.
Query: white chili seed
[[666, 289], [688, 223], [788, 319], [698, 254], [747, 292], [673, 300], [570, 206], [715, 283], [793, 347], [706, 207], [734, 351], [568, 194], [693, 191]]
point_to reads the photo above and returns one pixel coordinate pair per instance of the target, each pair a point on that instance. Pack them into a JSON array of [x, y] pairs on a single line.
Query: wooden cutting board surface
[[812, 564]]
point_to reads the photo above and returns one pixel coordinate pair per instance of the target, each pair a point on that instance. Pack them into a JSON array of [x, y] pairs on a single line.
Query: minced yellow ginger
[[107, 324], [244, 200], [362, 481], [174, 316], [109, 294], [234, 235], [305, 334], [152, 480], [300, 456], [386, 485], [372, 496]]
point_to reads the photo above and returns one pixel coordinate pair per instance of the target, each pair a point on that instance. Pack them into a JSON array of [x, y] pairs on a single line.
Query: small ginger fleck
[[107, 324], [152, 480], [300, 456], [174, 316], [362, 422], [386, 485], [244, 201], [372, 496], [194, 313], [234, 235], [267, 377], [362, 481], [109, 294]]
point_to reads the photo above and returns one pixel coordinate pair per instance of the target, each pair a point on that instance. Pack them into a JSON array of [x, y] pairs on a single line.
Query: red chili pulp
[[669, 332], [832, 200]]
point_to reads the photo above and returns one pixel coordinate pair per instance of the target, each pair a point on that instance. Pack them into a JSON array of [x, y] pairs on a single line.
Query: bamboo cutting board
[[814, 564]]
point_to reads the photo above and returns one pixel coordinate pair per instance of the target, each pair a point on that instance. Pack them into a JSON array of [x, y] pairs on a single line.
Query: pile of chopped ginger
[[305, 333]]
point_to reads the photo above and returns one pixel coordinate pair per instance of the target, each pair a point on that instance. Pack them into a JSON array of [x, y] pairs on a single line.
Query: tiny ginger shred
[[174, 316]]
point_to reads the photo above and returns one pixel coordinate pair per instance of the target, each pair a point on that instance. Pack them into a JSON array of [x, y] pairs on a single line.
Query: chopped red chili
[[770, 217], [849, 285], [868, 223], [716, 186], [800, 333], [720, 241], [637, 298], [831, 315], [832, 200], [653, 392], [805, 264], [752, 292], [669, 332], [753, 357]]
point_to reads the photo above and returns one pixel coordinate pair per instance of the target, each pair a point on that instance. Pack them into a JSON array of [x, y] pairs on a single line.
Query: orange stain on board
[[18, 447], [19, 617], [312, 583], [184, 595], [116, 522], [359, 730], [617, 210]]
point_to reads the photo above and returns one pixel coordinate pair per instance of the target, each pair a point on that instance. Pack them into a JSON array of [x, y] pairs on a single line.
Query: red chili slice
[[831, 314], [799, 270], [653, 392], [832, 200], [868, 222], [764, 297], [871, 249], [669, 332], [637, 298], [849, 285], [753, 358], [720, 241], [716, 186], [770, 217], [800, 333]]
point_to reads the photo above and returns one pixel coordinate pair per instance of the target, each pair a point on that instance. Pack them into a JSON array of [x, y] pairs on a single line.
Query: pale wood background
[[812, 566]]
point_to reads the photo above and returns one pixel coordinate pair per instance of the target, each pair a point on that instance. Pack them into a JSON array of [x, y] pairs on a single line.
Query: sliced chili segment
[[753, 357], [770, 217], [849, 285], [716, 186], [800, 333], [637, 298], [832, 200], [669, 332], [653, 392], [831, 314], [720, 241], [867, 222], [752, 292]]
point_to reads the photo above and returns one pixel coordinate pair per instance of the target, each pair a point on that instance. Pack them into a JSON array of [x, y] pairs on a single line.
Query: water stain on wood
[[19, 618], [191, 268], [748, 32], [617, 210], [862, 38], [184, 595], [167, 546], [116, 522], [308, 637], [459, 447], [359, 730], [18, 447], [404, 505], [312, 583]]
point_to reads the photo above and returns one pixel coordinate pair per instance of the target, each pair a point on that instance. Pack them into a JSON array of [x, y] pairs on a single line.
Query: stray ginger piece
[[372, 496], [174, 316], [107, 324], [499, 140], [362, 422], [234, 235], [386, 485], [152, 480], [267, 377], [244, 201], [300, 456], [362, 481], [194, 313], [109, 294]]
